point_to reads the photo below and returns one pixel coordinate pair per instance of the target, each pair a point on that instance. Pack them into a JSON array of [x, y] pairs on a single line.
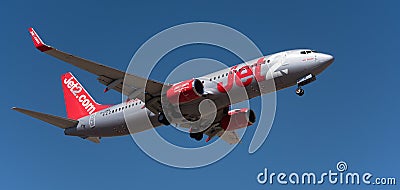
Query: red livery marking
[[185, 91], [77, 101], [238, 118], [229, 85], [308, 59], [38, 42], [257, 72], [242, 76], [244, 73]]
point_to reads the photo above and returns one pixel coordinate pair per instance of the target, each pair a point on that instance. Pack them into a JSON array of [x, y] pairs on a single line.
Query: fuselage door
[[284, 61], [92, 122]]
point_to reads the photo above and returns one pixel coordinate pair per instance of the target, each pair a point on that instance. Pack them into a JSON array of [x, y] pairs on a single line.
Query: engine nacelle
[[238, 118], [185, 91]]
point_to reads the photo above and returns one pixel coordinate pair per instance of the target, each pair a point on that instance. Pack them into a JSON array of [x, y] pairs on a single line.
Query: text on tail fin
[[78, 102]]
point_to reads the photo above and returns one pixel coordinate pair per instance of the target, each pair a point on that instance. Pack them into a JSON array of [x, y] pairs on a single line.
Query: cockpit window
[[308, 52]]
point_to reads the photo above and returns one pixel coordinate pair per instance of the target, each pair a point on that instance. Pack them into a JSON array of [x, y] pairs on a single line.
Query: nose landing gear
[[198, 136], [299, 91], [303, 81]]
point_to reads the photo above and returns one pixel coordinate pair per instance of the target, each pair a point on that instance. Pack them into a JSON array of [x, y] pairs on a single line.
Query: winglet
[[38, 42]]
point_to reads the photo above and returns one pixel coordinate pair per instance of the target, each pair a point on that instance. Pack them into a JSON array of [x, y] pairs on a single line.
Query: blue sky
[[350, 113]]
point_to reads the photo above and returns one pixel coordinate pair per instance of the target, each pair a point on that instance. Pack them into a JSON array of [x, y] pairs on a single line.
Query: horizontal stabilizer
[[51, 119]]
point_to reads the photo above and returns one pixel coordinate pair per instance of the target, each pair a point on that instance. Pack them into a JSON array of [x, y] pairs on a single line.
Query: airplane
[[90, 120]]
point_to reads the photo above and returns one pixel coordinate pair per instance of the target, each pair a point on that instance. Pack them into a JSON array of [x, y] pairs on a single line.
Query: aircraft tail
[[78, 102], [60, 122]]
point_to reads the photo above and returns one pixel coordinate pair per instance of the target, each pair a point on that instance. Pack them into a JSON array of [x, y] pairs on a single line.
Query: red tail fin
[[77, 100]]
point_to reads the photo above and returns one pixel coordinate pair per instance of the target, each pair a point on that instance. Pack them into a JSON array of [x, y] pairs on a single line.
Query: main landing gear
[[198, 136], [162, 119]]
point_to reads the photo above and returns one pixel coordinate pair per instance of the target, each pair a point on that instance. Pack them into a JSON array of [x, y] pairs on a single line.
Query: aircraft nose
[[325, 59]]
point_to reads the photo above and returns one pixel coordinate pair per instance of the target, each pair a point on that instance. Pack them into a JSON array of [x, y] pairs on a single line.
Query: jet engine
[[238, 118], [185, 91]]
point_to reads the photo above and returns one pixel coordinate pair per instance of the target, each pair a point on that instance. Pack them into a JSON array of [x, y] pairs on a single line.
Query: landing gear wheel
[[197, 136], [162, 119], [299, 91]]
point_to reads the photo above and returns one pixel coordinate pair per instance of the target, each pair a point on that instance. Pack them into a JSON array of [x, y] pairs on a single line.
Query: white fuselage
[[225, 87]]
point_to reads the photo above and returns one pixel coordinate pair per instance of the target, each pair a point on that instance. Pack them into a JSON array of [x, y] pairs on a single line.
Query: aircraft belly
[[141, 120], [107, 125], [101, 125]]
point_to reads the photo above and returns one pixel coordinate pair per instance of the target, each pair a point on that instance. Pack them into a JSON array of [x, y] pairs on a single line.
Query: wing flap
[[94, 139], [230, 137]]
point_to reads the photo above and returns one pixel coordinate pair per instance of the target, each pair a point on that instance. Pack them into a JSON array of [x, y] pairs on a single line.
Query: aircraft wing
[[230, 137], [138, 87]]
